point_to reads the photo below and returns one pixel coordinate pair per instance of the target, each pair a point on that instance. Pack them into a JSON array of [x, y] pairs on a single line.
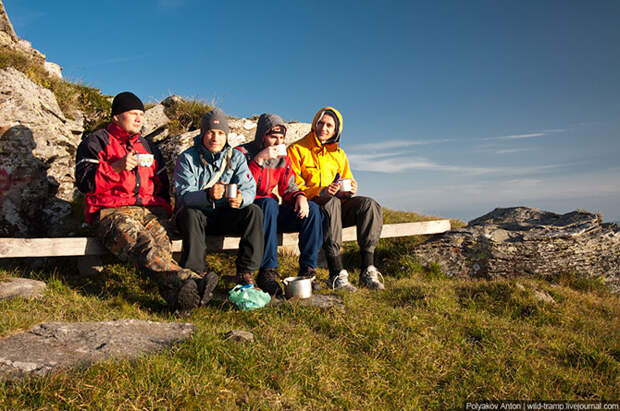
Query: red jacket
[[104, 187], [271, 173]]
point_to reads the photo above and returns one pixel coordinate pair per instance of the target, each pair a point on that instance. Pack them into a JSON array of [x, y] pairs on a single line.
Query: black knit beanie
[[214, 119], [126, 101]]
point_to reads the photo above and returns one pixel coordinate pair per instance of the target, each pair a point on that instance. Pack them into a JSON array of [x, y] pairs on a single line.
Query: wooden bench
[[89, 246]]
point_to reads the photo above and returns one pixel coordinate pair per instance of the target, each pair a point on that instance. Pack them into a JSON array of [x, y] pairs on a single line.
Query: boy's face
[[214, 140], [273, 139], [325, 128], [130, 121]]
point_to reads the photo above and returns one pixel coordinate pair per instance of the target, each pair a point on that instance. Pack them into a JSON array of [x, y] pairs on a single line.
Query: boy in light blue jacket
[[206, 201]]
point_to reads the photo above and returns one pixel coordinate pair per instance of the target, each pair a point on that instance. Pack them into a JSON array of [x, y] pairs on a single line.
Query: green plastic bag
[[246, 297]]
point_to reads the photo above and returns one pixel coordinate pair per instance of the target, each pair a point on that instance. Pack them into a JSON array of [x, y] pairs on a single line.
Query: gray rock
[[173, 146], [171, 101], [154, 119], [317, 300], [525, 241], [239, 335], [53, 69], [543, 296], [37, 159], [21, 287], [52, 346]]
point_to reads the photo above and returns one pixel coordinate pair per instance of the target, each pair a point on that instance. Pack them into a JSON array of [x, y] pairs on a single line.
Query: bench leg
[[90, 265]]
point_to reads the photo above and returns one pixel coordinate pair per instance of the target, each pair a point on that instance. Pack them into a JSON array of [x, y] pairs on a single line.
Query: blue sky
[[450, 108]]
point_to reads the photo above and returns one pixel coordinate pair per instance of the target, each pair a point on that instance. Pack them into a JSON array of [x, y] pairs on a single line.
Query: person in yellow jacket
[[322, 171]]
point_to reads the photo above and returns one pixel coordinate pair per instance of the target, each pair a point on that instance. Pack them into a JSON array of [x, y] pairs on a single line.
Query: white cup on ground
[[145, 160], [345, 184]]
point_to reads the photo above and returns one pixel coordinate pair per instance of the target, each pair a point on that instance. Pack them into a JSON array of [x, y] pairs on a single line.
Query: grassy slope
[[427, 341]]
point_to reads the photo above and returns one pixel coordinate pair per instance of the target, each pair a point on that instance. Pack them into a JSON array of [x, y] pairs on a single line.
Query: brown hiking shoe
[[267, 281], [245, 279]]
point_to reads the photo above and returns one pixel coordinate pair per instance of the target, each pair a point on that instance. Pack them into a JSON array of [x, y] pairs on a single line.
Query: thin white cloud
[[386, 145], [398, 163], [516, 136], [511, 150]]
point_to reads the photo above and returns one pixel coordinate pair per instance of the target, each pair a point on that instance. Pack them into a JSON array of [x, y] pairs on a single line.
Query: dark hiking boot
[[267, 281], [310, 272], [245, 279], [206, 285], [187, 297], [370, 278]]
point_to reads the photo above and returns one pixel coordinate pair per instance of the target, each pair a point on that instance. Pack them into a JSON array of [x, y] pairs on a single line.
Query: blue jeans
[[283, 219]]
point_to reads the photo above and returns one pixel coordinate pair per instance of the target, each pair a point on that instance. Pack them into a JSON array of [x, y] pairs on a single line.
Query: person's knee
[[269, 207], [314, 211], [332, 206], [253, 212]]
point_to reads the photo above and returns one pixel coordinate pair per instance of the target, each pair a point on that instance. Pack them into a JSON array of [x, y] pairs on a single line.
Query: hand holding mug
[[236, 202], [217, 191], [127, 163], [270, 153]]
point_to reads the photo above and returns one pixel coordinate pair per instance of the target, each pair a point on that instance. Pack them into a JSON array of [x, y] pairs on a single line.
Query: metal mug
[[231, 191]]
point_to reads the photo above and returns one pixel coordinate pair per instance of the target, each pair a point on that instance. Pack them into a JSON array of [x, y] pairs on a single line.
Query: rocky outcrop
[[54, 346], [6, 26], [37, 158], [9, 39], [525, 241]]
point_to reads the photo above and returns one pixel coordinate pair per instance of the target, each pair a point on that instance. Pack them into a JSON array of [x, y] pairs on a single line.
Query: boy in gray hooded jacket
[[202, 179]]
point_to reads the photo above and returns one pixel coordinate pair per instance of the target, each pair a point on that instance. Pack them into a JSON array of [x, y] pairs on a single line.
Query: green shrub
[[186, 115]]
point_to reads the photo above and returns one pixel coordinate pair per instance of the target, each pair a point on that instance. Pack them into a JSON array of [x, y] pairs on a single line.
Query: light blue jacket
[[195, 167]]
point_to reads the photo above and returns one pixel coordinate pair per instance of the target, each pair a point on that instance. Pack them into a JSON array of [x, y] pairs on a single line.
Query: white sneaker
[[370, 278], [340, 282]]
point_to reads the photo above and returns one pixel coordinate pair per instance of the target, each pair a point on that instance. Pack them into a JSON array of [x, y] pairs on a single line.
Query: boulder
[[155, 121], [21, 287], [239, 336], [37, 159], [242, 130], [58, 345], [525, 241]]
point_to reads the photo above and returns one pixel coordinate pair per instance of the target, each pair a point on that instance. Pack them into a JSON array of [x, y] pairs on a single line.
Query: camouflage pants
[[137, 234]]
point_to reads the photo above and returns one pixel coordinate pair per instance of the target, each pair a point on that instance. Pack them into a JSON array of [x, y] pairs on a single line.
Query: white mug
[[281, 149], [345, 184], [144, 160]]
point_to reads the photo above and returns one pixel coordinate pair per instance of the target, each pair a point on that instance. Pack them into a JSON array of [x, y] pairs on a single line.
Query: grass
[[426, 342], [70, 96], [185, 115]]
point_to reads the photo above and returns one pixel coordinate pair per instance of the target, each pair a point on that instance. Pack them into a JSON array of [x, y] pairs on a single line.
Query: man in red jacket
[[127, 198], [271, 168]]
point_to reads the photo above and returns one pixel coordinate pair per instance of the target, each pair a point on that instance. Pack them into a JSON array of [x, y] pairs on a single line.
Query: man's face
[[325, 128], [214, 140], [130, 121], [273, 139]]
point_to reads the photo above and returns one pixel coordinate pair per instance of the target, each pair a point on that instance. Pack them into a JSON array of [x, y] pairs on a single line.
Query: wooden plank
[[75, 246], [49, 247]]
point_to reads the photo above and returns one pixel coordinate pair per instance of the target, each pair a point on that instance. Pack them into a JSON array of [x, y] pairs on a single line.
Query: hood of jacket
[[266, 122]]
